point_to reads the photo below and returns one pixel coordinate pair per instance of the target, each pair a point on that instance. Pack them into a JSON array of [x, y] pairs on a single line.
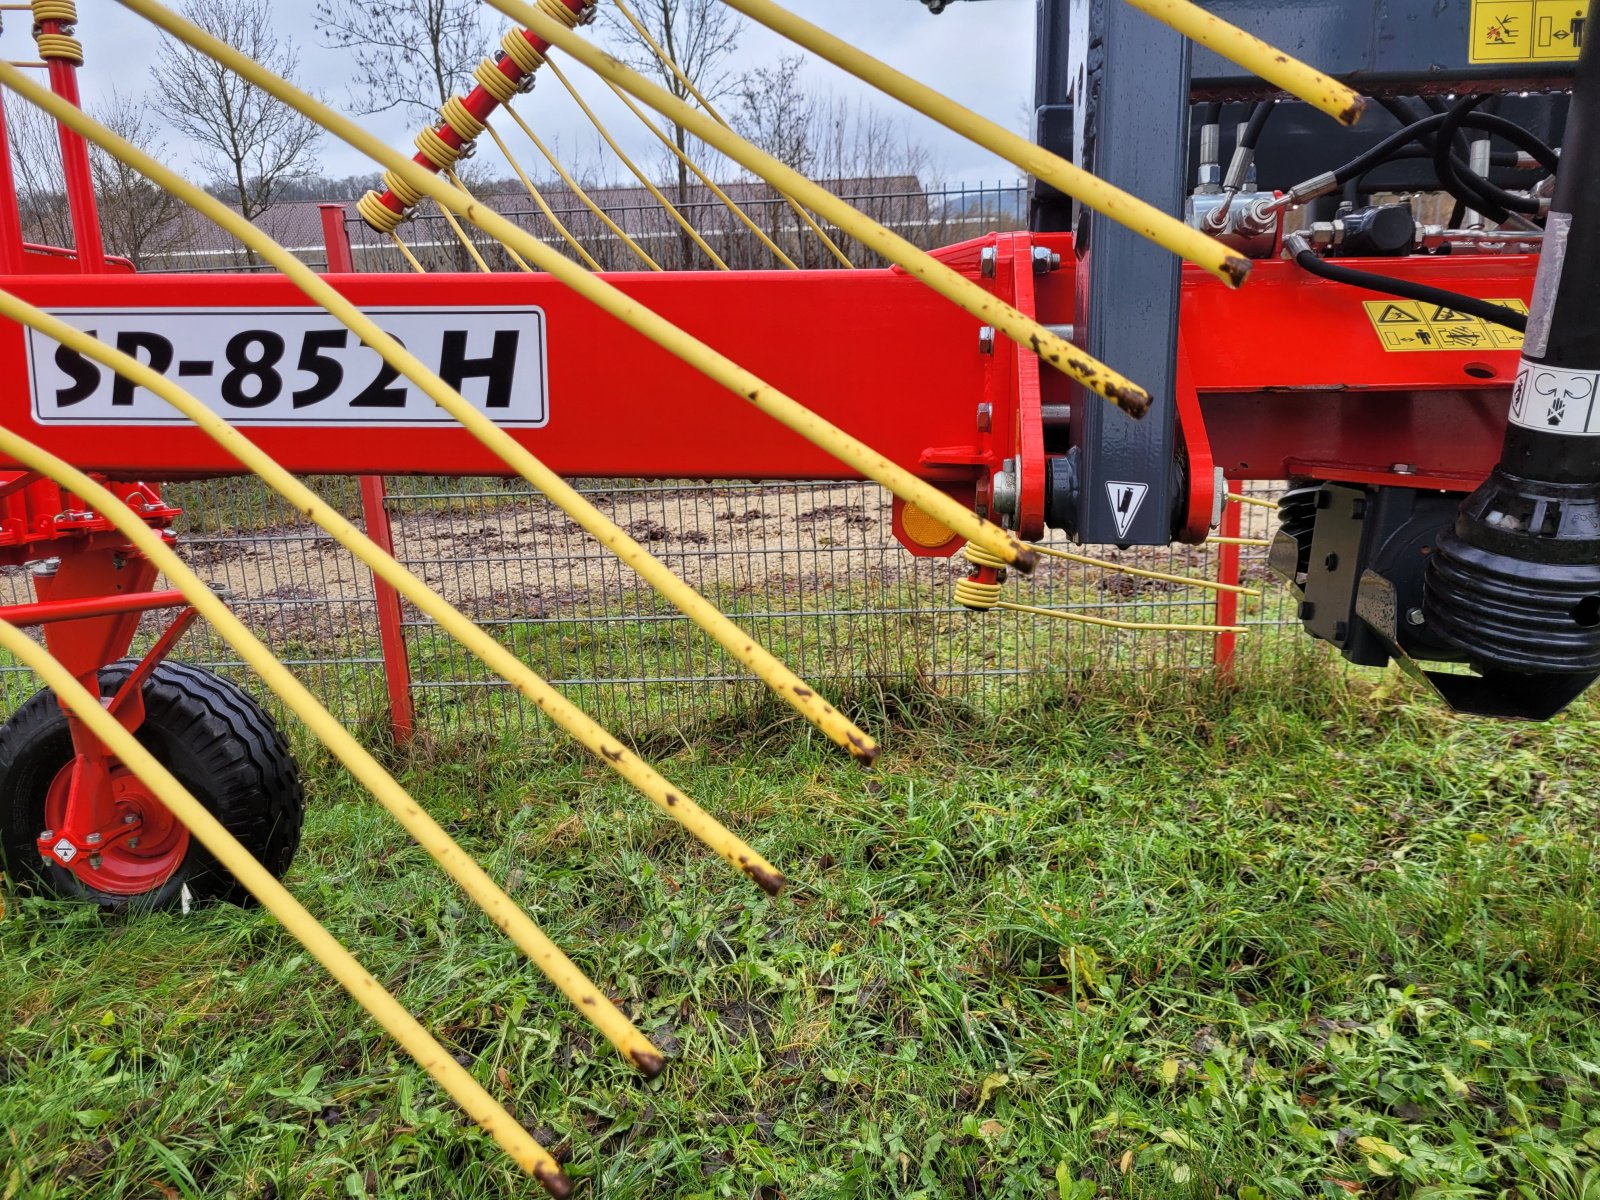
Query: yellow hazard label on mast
[[1405, 325], [1523, 31]]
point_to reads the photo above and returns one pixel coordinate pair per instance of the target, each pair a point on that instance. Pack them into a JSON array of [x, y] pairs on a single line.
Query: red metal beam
[[50, 611]]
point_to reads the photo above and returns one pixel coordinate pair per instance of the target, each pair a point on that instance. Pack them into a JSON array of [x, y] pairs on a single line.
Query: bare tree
[[411, 54], [138, 220], [250, 143], [778, 114], [36, 160], [698, 36]]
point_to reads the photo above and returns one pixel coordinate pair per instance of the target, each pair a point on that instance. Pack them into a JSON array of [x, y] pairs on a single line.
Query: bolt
[[988, 261], [1045, 260], [1403, 469], [986, 340], [93, 839], [1414, 616], [133, 843], [130, 819], [985, 417], [94, 862]]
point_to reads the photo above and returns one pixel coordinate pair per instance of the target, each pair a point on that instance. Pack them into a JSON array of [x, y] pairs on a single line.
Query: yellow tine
[[538, 198], [441, 847], [1248, 51], [1109, 623], [1255, 501], [577, 190], [671, 209], [483, 1108], [688, 86], [1184, 580], [735, 640], [1238, 541], [675, 341], [988, 308], [1119, 206], [461, 236], [455, 182], [406, 251], [727, 201]]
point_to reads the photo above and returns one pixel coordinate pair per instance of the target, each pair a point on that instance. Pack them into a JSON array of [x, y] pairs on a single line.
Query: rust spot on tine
[[1237, 268], [804, 693], [1027, 558], [650, 1063], [1353, 114], [770, 882], [554, 1182], [672, 800], [1134, 401], [863, 753], [612, 753]]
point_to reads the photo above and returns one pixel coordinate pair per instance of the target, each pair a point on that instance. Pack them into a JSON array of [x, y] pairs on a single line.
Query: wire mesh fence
[[810, 569]]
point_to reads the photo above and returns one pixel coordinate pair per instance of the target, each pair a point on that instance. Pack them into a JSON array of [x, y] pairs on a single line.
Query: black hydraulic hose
[[1467, 185], [1256, 123], [1487, 122], [1406, 290], [1212, 113]]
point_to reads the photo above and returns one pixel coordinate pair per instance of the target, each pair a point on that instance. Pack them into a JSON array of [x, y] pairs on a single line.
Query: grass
[[1301, 938]]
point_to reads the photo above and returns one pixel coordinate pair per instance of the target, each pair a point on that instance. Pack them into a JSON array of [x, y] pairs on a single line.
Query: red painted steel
[[75, 162], [10, 210], [24, 615], [1226, 647], [336, 239], [1291, 376], [480, 103], [391, 632]]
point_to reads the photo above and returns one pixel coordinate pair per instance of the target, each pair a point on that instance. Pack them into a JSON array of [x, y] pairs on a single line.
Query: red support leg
[[391, 635], [1227, 644]]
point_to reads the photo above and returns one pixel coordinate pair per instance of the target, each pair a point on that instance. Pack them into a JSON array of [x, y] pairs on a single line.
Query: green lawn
[[1299, 939]]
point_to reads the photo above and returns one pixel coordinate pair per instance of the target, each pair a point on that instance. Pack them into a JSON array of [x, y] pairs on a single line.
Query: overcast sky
[[979, 53]]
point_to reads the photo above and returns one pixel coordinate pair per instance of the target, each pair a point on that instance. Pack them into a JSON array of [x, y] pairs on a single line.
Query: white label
[[64, 850], [1556, 400], [293, 366], [1125, 501]]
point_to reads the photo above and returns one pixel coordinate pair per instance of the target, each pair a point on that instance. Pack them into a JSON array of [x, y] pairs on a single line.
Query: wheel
[[207, 732]]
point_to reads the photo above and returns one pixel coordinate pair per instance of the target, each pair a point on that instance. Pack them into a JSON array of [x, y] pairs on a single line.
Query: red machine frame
[[1285, 377]]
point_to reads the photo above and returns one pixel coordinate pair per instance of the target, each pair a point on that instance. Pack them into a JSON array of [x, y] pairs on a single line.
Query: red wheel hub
[[142, 849]]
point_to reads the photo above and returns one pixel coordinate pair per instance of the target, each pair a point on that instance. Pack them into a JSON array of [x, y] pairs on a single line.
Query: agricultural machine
[[1426, 380]]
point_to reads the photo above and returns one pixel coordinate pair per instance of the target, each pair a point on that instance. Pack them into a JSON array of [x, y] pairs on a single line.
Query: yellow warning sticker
[[1521, 31], [1404, 325]]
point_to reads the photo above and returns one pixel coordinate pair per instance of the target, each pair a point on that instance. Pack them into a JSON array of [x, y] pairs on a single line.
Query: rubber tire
[[206, 731]]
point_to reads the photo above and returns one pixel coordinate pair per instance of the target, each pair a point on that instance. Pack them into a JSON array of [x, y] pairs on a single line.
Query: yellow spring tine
[[1062, 614], [622, 156], [1254, 501], [406, 251], [576, 189], [688, 86], [538, 198], [483, 1108], [668, 336], [1248, 51], [735, 640], [988, 308], [710, 184], [1182, 580], [444, 850], [1144, 219]]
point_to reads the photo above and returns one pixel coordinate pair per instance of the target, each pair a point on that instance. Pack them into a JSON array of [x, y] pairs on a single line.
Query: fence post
[[375, 514], [336, 238], [1227, 644]]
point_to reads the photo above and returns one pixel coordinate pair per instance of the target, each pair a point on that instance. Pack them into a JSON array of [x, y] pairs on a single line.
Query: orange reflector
[[925, 530]]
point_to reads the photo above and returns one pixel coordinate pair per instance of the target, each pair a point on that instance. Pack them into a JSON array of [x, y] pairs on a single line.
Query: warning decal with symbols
[[1404, 325], [1526, 30]]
